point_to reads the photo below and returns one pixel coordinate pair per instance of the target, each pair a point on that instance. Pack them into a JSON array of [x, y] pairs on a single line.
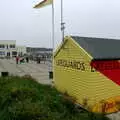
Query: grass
[[24, 99]]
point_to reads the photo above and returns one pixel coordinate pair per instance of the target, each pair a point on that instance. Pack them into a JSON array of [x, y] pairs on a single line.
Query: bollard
[[4, 74], [50, 75]]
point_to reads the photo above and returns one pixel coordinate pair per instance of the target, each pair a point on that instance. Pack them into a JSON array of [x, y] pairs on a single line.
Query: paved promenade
[[38, 71]]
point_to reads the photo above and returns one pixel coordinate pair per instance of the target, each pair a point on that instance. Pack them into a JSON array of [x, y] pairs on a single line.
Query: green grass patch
[[24, 99]]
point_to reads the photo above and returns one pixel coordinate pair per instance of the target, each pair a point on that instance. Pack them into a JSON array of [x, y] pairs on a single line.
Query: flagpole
[[53, 38], [40, 5], [62, 23], [53, 31]]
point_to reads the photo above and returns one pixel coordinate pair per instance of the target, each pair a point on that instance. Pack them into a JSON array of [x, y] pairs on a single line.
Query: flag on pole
[[43, 3]]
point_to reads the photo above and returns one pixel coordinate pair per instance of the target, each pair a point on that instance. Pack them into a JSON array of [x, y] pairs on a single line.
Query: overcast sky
[[32, 27]]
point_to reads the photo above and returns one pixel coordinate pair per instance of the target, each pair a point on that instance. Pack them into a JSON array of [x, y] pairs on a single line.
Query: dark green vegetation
[[25, 99]]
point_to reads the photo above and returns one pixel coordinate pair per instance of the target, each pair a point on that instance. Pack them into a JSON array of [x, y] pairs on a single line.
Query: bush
[[25, 99]]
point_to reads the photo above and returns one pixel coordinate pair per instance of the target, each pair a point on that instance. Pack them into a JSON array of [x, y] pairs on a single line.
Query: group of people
[[21, 59]]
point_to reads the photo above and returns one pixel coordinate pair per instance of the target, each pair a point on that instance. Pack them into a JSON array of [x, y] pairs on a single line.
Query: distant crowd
[[22, 59], [26, 59]]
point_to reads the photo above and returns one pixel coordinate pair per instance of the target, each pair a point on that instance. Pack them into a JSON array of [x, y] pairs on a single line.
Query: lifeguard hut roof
[[100, 48]]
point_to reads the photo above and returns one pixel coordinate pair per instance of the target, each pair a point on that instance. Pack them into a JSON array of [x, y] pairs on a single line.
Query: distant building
[[36, 52], [21, 50], [8, 48]]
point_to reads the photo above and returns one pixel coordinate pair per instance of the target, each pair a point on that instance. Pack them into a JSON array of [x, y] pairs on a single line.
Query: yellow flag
[[43, 3]]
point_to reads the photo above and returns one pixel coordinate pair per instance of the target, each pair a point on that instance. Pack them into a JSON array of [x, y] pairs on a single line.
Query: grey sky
[[32, 27]]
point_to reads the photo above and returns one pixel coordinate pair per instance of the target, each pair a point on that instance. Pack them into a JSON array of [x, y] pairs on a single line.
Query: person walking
[[27, 59], [38, 60], [17, 59]]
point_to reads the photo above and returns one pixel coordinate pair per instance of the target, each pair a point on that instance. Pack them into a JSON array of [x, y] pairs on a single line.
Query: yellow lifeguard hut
[[88, 69]]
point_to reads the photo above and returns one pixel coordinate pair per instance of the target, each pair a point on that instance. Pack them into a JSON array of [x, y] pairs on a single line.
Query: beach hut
[[88, 70]]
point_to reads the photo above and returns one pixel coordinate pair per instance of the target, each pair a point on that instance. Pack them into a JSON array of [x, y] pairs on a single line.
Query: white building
[[8, 48], [21, 50]]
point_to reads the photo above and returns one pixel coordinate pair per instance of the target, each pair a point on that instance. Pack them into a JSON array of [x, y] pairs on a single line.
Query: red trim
[[110, 69]]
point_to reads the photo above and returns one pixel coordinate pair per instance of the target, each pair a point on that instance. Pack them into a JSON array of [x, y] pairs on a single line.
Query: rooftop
[[100, 48]]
